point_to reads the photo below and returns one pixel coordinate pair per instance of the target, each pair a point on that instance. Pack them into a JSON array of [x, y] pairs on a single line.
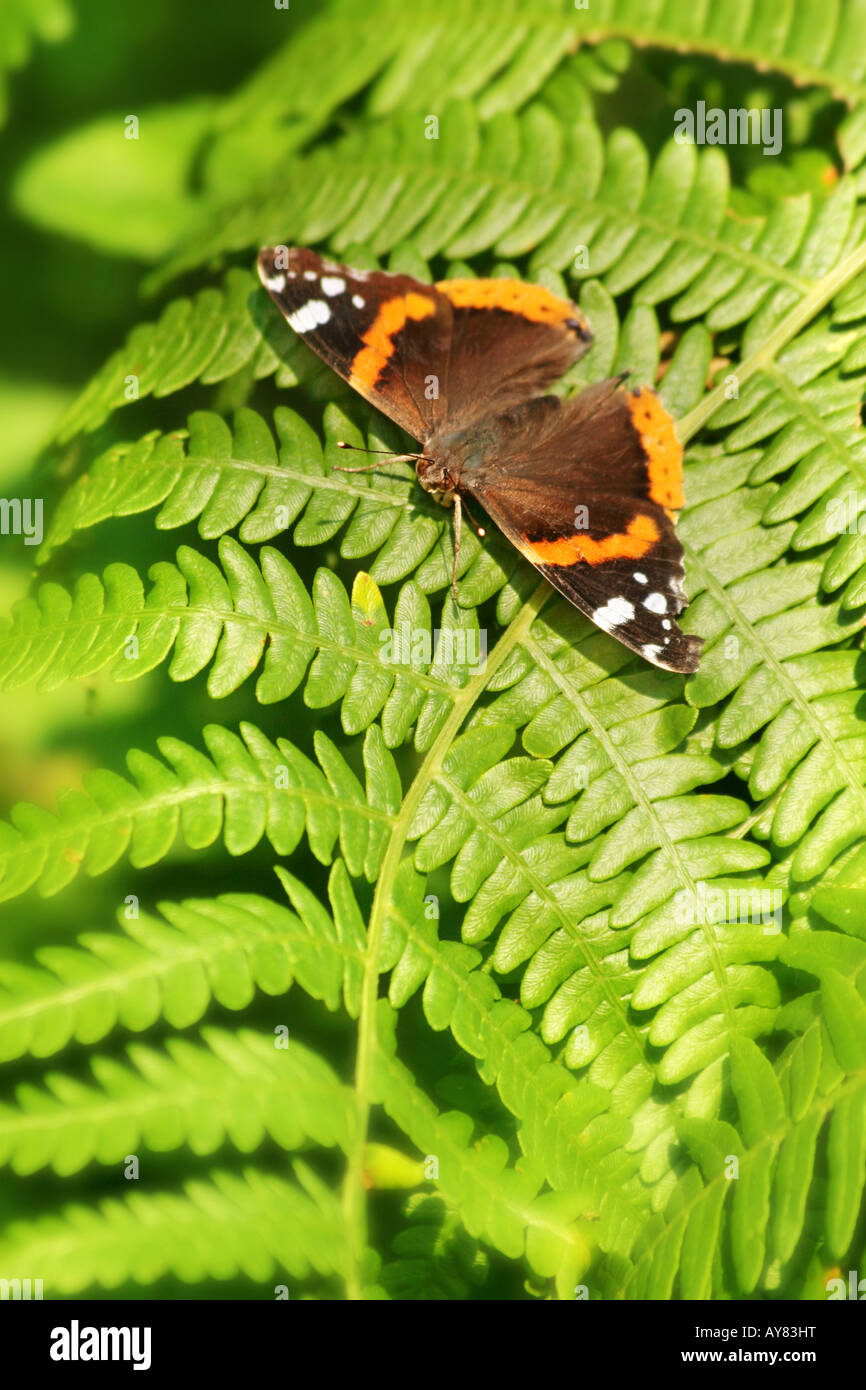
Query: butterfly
[[587, 489]]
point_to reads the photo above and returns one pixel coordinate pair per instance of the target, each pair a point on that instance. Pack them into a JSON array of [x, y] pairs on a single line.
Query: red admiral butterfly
[[586, 488]]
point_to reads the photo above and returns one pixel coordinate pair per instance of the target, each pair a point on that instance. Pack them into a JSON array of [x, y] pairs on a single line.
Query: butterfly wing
[[379, 332], [431, 357], [509, 342], [586, 490]]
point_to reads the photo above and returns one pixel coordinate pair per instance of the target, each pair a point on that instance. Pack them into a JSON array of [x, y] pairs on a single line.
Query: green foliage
[[250, 1224], [179, 1096], [247, 788], [592, 933], [121, 196], [22, 21]]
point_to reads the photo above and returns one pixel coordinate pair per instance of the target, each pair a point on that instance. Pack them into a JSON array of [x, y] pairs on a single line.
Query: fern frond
[[572, 909], [341, 649], [255, 1226], [506, 51], [261, 480], [433, 1256], [237, 1088], [500, 57], [759, 1184], [775, 644], [499, 1204], [755, 1183], [564, 1128], [808, 48], [209, 949], [806, 42], [208, 338], [249, 788], [662, 229]]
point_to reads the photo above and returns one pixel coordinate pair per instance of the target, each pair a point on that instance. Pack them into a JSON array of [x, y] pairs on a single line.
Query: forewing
[[509, 343], [435, 358], [380, 332]]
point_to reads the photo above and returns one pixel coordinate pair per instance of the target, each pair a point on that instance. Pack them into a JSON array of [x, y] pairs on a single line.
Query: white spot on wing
[[641, 578], [650, 650], [358, 301], [309, 275], [310, 315], [277, 283], [333, 284], [656, 603], [614, 613]]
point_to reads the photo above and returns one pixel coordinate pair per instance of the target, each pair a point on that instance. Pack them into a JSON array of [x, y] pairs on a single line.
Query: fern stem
[[354, 1192], [769, 803], [787, 329]]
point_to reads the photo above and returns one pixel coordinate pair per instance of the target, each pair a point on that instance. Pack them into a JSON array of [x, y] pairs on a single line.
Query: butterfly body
[[585, 488]]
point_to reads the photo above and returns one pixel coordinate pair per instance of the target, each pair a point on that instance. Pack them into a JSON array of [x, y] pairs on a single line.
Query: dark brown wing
[[509, 343], [380, 332], [432, 357], [585, 490]]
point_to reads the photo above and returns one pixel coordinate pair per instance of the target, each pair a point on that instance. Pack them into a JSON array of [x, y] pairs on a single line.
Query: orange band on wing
[[379, 338], [663, 449], [639, 536], [532, 301]]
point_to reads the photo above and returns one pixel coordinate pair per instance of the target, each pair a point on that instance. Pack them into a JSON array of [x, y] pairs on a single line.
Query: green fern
[[172, 1099], [509, 852], [289, 1229]]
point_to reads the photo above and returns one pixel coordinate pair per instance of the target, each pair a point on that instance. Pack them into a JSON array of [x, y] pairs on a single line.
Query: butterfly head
[[436, 477]]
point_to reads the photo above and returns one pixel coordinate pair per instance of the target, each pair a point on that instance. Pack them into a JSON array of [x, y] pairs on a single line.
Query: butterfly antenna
[[369, 467], [479, 530]]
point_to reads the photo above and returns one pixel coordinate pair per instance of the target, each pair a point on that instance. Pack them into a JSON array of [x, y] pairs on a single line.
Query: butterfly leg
[[458, 527]]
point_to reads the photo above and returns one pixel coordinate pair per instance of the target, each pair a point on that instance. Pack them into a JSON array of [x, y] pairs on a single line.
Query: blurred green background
[[84, 212]]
